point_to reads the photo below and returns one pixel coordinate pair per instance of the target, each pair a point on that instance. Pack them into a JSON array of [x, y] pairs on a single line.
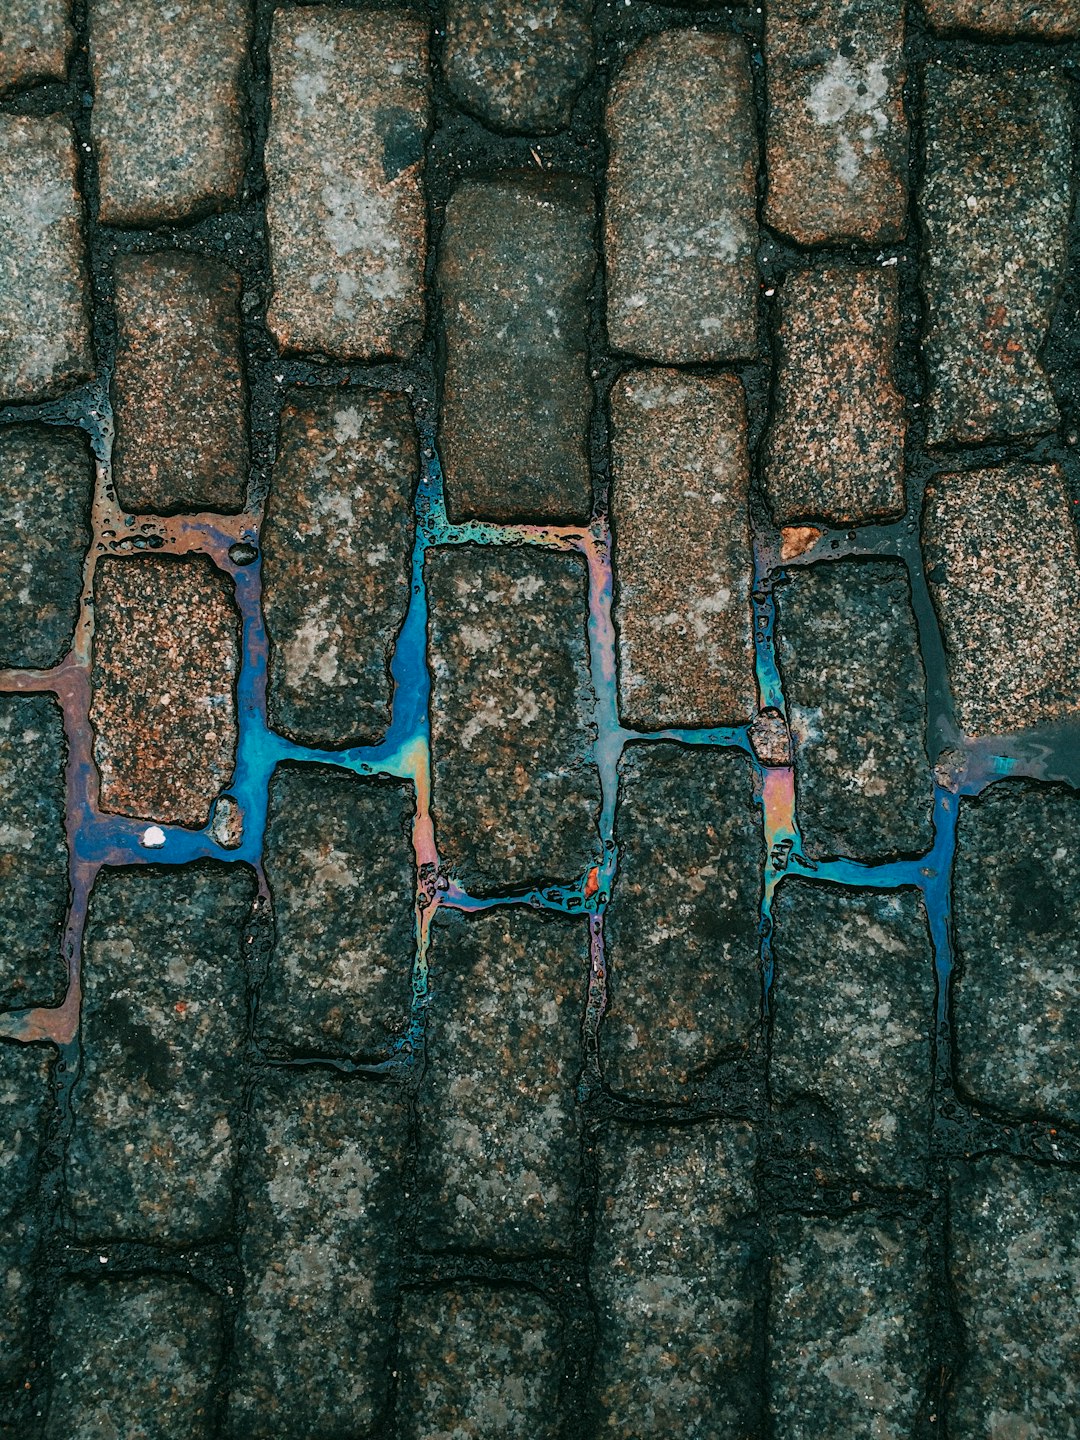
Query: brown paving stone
[[168, 123], [178, 387], [345, 208], [516, 263], [166, 654], [336, 542], [681, 475], [35, 41], [1034, 19], [24, 1102], [1003, 563], [835, 449], [680, 228]]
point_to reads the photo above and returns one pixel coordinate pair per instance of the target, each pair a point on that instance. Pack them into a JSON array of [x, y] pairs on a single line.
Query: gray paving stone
[[684, 565], [339, 863], [673, 1276], [1034, 19], [836, 135], [853, 1004], [345, 207], [476, 1362], [178, 391], [515, 794], [135, 1358], [168, 124], [995, 206], [323, 1204], [35, 41], [681, 930], [337, 540], [835, 449], [44, 325], [849, 1348], [680, 227], [499, 1150], [1003, 561], [856, 693], [1015, 1266], [24, 1098], [516, 263], [33, 852], [519, 64]]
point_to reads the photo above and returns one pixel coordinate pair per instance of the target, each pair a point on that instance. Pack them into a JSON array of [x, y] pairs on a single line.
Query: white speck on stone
[[152, 838]]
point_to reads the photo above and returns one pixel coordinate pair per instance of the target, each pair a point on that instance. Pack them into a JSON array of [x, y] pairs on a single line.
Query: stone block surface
[[24, 1104], [35, 41], [1007, 19]]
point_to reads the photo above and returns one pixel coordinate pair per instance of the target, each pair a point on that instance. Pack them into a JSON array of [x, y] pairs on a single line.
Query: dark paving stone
[[336, 541], [856, 693], [516, 263], [995, 206], [1034, 19], [339, 863], [673, 1276], [166, 655], [515, 793], [499, 1153], [684, 566], [35, 41], [680, 227], [835, 450], [853, 1012], [345, 208], [24, 1098], [178, 387], [1015, 1268], [681, 930]]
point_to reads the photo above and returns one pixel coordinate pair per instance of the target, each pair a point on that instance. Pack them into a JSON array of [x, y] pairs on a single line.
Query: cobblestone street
[[539, 720]]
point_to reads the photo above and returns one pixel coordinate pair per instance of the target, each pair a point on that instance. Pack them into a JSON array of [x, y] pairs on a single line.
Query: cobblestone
[[35, 41], [1035, 19], [24, 1094]]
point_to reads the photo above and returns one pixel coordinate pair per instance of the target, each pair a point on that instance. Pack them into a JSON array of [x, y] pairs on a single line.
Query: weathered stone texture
[[836, 136], [995, 205], [44, 325], [681, 476], [339, 863], [849, 651], [349, 113], [166, 655], [499, 1154], [24, 1096], [680, 225], [835, 449], [516, 263], [35, 40], [336, 545], [1034, 19], [168, 123], [1003, 562], [515, 792], [1015, 1268], [853, 1011], [673, 1276], [681, 928]]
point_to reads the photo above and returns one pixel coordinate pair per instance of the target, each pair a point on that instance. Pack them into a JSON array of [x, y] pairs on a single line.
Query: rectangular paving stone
[[995, 206], [853, 1010], [33, 851], [168, 124], [673, 1274], [836, 137], [336, 541], [499, 1149], [35, 41], [158, 1101], [323, 1200], [1015, 1270], [135, 1357], [683, 560], [1034, 19], [166, 655], [44, 325], [1003, 562], [477, 1361], [680, 225], [681, 931], [350, 109], [835, 448], [849, 1348], [515, 793], [856, 690], [24, 1105], [178, 391], [339, 863]]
